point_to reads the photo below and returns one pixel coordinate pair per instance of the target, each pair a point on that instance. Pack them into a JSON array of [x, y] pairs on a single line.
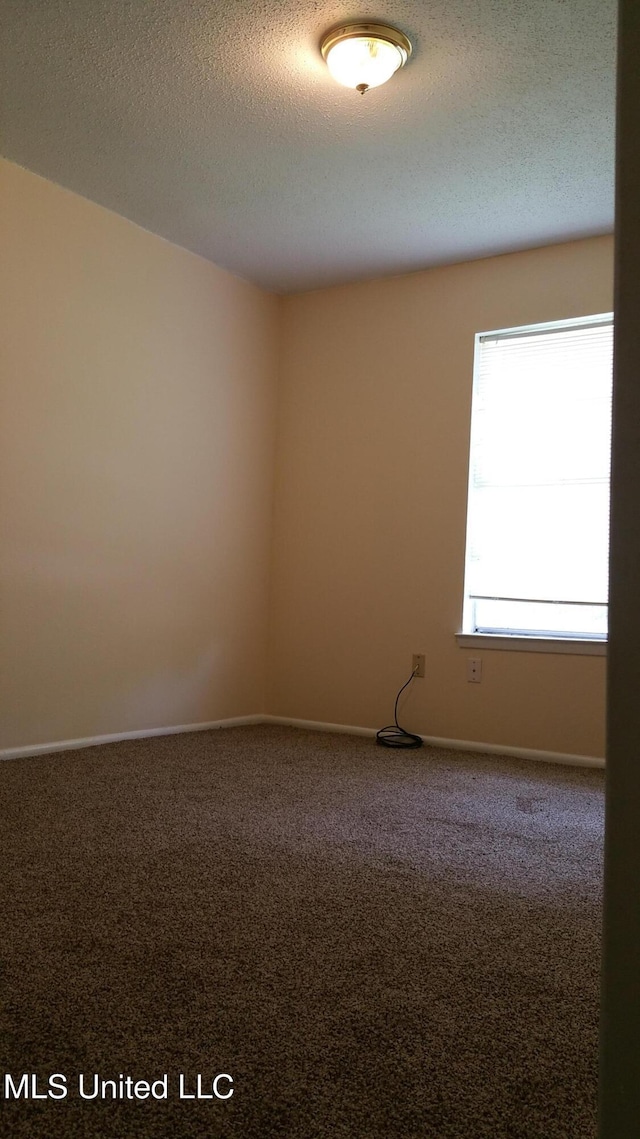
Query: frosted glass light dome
[[362, 56]]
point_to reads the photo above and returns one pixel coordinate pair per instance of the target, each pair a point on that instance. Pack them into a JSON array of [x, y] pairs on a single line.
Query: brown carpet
[[372, 943]]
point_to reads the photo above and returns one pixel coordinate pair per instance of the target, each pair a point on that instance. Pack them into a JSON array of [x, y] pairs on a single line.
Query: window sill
[[569, 645]]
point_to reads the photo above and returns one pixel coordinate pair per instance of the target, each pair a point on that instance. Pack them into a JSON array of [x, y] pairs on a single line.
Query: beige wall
[[371, 499], [137, 392], [138, 389]]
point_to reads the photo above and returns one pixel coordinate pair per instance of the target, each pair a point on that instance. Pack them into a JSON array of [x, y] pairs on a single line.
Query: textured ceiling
[[218, 126]]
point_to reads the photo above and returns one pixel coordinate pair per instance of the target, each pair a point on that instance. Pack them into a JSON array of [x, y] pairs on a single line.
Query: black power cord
[[395, 736]]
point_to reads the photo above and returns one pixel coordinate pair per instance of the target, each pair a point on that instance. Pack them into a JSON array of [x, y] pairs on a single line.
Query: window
[[538, 507]]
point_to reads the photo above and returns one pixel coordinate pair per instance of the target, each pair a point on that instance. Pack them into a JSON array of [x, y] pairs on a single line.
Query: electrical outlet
[[418, 664], [474, 670]]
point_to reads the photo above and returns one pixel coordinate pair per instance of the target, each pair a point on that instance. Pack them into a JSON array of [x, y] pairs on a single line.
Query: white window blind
[[538, 508]]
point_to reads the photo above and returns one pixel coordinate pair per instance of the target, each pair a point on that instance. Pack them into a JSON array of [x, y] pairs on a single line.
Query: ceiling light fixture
[[364, 55]]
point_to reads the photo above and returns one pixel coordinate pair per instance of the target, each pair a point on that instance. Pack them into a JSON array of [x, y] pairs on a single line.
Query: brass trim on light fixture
[[374, 31]]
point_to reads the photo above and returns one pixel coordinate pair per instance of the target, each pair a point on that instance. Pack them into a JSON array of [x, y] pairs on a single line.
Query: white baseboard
[[319, 726], [457, 745], [311, 725], [115, 737]]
